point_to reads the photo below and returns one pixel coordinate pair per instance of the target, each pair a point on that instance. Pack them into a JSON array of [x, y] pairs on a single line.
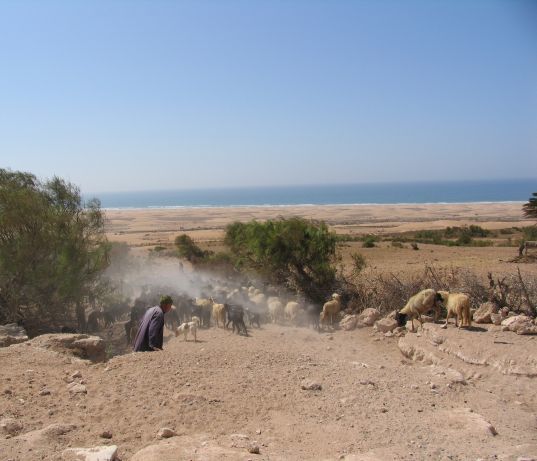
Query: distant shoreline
[[148, 226], [307, 205]]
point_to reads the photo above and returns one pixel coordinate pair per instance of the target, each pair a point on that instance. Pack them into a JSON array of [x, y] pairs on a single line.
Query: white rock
[[386, 324], [100, 453], [166, 433], [75, 388], [367, 317]]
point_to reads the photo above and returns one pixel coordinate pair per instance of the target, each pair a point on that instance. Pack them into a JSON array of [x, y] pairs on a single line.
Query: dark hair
[[166, 299]]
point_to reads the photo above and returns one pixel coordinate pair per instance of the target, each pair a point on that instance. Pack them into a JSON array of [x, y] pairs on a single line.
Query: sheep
[[219, 314], [205, 308], [418, 304], [291, 311], [275, 311], [331, 309], [458, 306]]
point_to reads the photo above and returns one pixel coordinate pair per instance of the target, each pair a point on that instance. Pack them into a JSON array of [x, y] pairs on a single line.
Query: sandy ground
[[372, 399], [160, 226], [227, 391]]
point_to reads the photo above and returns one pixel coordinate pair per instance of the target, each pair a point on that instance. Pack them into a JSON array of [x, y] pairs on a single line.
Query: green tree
[[188, 249], [294, 252], [530, 208], [52, 249]]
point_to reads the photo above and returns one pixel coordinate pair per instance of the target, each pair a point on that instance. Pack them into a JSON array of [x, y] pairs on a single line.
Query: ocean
[[519, 190]]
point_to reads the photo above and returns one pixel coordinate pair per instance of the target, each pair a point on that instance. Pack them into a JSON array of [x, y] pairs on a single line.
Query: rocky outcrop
[[434, 345], [12, 334], [367, 317], [482, 314], [101, 453], [82, 346], [194, 448], [386, 324], [520, 324], [348, 322]]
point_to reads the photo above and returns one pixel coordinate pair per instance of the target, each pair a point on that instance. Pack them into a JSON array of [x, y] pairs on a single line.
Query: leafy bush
[[186, 248], [369, 241], [52, 249], [530, 232], [293, 252], [359, 263]]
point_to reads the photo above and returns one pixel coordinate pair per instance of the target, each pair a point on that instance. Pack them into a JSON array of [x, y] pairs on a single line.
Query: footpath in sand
[[292, 393]]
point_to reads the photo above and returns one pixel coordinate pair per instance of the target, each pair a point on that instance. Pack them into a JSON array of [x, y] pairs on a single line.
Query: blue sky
[[144, 95]]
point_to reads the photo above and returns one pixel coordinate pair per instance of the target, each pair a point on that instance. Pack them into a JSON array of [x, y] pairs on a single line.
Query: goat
[[331, 309], [235, 315], [418, 304], [188, 327], [457, 305], [219, 314]]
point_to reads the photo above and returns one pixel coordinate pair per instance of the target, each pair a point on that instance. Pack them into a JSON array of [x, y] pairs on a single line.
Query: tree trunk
[[81, 317]]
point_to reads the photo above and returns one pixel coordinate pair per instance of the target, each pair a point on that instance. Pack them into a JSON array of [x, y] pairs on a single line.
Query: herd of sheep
[[225, 307]]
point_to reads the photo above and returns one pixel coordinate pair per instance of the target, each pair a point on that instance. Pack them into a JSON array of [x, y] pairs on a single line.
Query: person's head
[[166, 302]]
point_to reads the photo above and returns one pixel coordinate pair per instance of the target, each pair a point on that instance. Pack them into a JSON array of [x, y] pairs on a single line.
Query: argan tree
[[293, 252], [52, 249]]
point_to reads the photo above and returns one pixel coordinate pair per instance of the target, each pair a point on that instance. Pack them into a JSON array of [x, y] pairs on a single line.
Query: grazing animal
[[458, 306], [418, 304], [276, 311], [331, 309], [312, 314], [219, 314], [235, 315], [204, 313], [525, 246], [253, 317], [95, 319], [188, 327], [292, 308], [131, 327], [108, 318], [171, 318]]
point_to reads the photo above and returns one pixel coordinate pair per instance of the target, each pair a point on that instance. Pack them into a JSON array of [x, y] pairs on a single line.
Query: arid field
[[291, 393]]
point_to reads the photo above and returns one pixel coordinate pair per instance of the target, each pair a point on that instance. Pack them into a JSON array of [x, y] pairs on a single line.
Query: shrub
[[186, 248], [359, 263], [530, 232], [369, 241], [293, 252]]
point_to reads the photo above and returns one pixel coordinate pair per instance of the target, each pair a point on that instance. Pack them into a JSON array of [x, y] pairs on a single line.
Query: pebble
[[44, 391], [253, 448], [106, 434], [166, 433]]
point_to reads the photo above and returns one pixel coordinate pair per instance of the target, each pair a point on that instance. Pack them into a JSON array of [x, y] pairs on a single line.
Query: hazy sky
[[135, 95]]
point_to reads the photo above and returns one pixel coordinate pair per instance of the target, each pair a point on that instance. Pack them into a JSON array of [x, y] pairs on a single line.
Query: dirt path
[[373, 400]]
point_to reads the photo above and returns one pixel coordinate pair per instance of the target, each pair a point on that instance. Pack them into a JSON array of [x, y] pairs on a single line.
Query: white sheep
[[292, 308], [275, 309], [458, 306], [331, 309], [418, 304]]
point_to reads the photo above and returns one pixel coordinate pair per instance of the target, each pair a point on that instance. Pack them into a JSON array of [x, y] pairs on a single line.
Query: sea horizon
[[395, 193]]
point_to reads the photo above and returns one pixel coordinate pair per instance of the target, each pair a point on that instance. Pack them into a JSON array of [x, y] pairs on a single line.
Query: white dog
[[186, 327]]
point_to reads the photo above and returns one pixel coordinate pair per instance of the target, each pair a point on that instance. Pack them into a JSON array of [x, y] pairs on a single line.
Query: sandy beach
[[145, 227]]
